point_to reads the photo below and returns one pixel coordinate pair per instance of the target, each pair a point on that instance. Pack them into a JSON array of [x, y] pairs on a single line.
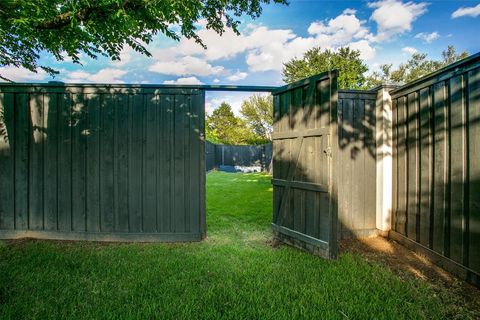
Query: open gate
[[304, 164]]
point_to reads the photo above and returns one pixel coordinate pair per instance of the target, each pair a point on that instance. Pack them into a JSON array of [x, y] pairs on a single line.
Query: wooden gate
[[305, 146]]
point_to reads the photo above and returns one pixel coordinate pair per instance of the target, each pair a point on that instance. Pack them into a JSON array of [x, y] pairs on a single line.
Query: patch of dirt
[[274, 243], [457, 293]]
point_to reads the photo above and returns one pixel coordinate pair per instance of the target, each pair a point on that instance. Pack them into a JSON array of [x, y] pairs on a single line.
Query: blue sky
[[387, 31]]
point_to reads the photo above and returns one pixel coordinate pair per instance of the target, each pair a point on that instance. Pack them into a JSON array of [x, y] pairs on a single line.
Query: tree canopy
[[354, 71], [224, 127], [258, 114], [416, 67], [65, 28], [314, 61]]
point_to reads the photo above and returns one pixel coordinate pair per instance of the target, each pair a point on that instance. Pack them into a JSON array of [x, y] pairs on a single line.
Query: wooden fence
[[436, 198], [217, 155], [357, 155], [102, 162]]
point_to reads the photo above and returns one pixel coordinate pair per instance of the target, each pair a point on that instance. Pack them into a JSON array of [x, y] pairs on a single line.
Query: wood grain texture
[[100, 164], [302, 151], [7, 161], [446, 138]]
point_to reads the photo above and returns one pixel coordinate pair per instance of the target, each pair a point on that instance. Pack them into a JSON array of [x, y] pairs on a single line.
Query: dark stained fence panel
[[437, 161], [304, 157], [357, 156], [102, 163]]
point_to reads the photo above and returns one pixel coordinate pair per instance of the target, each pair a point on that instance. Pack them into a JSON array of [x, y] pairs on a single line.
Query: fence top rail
[[58, 84]]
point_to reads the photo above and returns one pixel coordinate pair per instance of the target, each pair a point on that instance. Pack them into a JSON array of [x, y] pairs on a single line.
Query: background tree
[[416, 67], [65, 28], [258, 114], [220, 125], [223, 127], [316, 60]]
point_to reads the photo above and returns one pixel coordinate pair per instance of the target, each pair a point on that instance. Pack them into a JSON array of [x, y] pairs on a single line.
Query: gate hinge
[[328, 151]]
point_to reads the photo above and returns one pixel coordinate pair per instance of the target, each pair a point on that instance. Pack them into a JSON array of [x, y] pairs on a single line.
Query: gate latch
[[328, 151]]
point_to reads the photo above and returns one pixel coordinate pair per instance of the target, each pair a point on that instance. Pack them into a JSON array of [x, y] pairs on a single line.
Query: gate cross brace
[[292, 168]]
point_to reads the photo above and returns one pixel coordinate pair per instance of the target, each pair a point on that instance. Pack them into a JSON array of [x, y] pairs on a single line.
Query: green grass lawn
[[233, 274]]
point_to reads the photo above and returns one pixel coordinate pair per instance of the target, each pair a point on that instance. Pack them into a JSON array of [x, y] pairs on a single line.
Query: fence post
[[383, 137]]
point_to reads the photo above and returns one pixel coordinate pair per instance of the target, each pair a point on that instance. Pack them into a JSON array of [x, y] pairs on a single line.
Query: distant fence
[[217, 155], [436, 168]]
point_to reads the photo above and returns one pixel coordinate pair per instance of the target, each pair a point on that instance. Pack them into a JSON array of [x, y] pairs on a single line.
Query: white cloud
[[216, 80], [106, 75], [187, 65], [338, 30], [367, 52], [395, 17], [187, 80], [265, 49], [428, 37], [224, 46], [125, 57], [22, 74], [272, 47], [234, 99], [409, 50], [276, 49], [237, 76], [349, 11], [467, 12]]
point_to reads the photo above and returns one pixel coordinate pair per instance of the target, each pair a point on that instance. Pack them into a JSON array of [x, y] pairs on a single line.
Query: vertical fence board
[[92, 136], [135, 169], [457, 167], [79, 130], [346, 214], [412, 166], [440, 167], [22, 137], [276, 155], [7, 161], [165, 194], [122, 156], [64, 191], [358, 166], [50, 195], [395, 162], [179, 170], [425, 167], [369, 151], [194, 164], [402, 167], [107, 162], [202, 181], [188, 153], [309, 197], [150, 164], [300, 174], [474, 169], [36, 181]]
